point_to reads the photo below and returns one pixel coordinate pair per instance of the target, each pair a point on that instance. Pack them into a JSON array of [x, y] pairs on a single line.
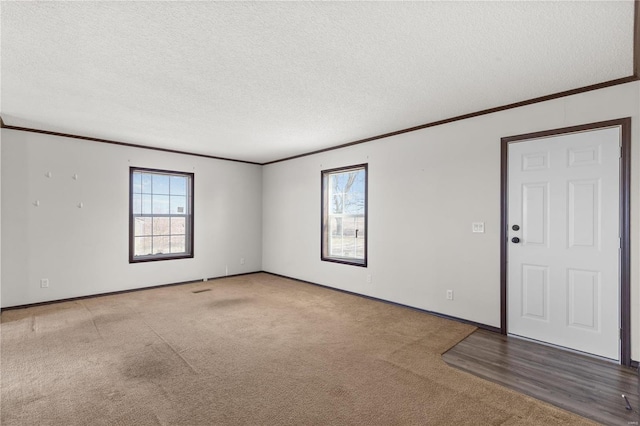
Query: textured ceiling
[[260, 81]]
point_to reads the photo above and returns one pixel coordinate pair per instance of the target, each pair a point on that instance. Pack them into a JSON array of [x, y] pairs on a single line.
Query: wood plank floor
[[578, 383]]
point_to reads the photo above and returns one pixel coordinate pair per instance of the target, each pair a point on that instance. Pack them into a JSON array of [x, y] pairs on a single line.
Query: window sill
[[345, 261], [155, 258]]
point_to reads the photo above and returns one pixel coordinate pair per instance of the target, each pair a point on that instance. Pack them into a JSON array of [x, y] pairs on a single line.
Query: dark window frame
[[189, 217], [324, 212]]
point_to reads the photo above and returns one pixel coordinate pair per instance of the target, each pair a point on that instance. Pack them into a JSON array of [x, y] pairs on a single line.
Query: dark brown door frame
[[625, 223]]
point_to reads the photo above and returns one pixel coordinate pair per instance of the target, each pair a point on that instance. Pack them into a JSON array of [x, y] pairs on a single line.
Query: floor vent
[[201, 291]]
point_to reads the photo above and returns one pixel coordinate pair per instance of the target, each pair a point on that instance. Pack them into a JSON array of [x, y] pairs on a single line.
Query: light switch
[[477, 227]]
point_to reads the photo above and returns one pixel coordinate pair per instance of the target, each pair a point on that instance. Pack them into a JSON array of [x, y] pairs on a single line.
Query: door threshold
[[566, 349]]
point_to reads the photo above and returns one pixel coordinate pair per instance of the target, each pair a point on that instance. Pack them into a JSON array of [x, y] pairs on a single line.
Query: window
[[344, 215], [160, 215]]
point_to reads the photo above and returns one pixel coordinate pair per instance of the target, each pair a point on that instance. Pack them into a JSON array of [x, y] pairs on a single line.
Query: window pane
[[136, 203], [161, 245], [336, 203], [137, 183], [335, 225], [354, 194], [146, 204], [359, 254], [178, 225], [343, 237], [142, 226], [178, 244], [160, 204], [360, 241], [160, 184], [161, 226], [146, 183], [178, 185], [349, 227], [142, 246], [336, 246], [178, 204]]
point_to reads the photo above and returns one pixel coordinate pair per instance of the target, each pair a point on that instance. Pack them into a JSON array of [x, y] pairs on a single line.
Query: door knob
[[515, 240], [515, 227]]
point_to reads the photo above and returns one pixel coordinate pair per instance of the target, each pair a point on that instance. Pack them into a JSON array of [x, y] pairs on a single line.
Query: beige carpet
[[255, 349]]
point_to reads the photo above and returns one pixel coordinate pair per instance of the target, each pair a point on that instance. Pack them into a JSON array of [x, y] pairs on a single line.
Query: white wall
[[425, 189], [85, 251], [0, 219]]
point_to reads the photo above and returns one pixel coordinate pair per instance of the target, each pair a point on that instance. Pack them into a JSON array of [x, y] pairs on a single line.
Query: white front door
[[563, 265]]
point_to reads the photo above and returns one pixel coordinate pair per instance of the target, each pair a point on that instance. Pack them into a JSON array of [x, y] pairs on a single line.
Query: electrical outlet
[[368, 278], [242, 260], [477, 227], [449, 294], [44, 283]]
